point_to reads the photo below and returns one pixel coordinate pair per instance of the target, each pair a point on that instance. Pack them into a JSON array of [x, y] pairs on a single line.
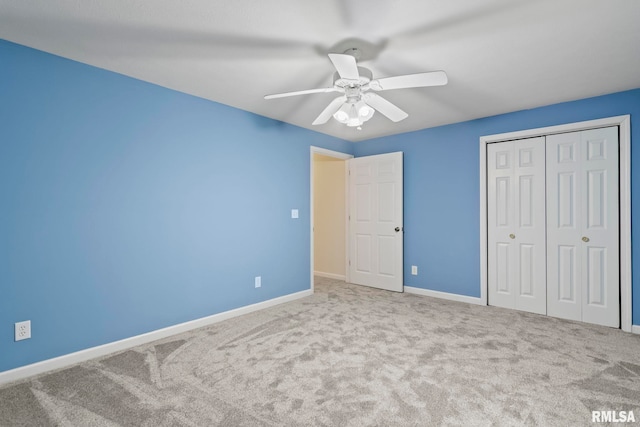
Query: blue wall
[[442, 193], [127, 207]]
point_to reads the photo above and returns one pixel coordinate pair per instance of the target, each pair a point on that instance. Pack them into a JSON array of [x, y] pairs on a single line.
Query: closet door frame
[[624, 124]]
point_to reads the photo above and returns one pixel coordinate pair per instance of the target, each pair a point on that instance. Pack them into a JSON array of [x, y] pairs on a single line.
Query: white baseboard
[[444, 295], [635, 329], [329, 275], [102, 350]]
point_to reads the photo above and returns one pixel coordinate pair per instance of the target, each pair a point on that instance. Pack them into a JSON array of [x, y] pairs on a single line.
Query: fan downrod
[[355, 52]]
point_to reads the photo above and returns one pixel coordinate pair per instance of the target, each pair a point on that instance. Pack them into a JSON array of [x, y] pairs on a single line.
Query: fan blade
[[380, 104], [301, 92], [330, 110], [345, 65], [433, 78]]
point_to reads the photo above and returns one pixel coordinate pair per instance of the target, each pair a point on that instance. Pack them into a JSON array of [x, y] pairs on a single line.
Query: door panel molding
[[624, 124]]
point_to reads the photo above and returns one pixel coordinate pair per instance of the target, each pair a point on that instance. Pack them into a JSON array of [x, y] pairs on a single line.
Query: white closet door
[[583, 226], [516, 224]]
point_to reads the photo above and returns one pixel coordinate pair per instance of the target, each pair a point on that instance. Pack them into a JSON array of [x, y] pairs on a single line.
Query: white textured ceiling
[[500, 55]]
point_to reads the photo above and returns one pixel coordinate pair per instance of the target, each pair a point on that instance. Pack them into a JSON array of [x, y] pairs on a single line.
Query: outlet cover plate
[[258, 281], [414, 270], [23, 330]]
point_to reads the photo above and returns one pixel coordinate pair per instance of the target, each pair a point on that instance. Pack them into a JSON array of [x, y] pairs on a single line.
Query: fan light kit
[[354, 114], [356, 105]]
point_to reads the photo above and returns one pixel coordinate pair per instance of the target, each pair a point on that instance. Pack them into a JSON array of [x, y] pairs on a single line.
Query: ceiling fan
[[358, 101]]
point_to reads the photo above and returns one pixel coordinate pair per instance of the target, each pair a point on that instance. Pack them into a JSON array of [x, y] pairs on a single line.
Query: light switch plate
[[294, 213]]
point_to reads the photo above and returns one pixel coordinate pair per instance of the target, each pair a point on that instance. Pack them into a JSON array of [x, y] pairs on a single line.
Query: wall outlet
[[258, 281], [23, 330], [414, 270], [294, 213]]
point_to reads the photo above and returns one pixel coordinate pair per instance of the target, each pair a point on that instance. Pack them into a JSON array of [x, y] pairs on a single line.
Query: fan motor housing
[[365, 77]]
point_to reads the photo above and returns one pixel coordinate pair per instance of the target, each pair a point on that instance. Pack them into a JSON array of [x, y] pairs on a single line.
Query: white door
[[376, 221], [516, 224], [583, 226]]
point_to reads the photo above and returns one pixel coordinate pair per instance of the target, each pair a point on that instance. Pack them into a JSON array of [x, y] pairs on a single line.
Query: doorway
[[328, 213]]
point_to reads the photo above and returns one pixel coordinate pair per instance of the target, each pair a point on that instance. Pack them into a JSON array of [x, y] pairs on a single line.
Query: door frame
[[624, 123], [338, 155]]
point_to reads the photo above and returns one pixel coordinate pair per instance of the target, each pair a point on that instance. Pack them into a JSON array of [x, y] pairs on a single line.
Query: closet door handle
[[512, 236], [585, 239]]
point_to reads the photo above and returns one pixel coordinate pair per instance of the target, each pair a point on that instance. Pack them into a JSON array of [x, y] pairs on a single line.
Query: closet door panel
[[600, 205], [530, 212], [516, 224], [564, 293], [583, 226], [501, 219]]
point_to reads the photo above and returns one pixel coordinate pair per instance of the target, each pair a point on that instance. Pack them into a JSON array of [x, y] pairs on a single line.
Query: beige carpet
[[349, 356]]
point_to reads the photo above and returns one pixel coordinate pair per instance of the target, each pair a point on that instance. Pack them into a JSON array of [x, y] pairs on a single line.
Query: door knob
[[397, 229], [585, 239], [512, 236]]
